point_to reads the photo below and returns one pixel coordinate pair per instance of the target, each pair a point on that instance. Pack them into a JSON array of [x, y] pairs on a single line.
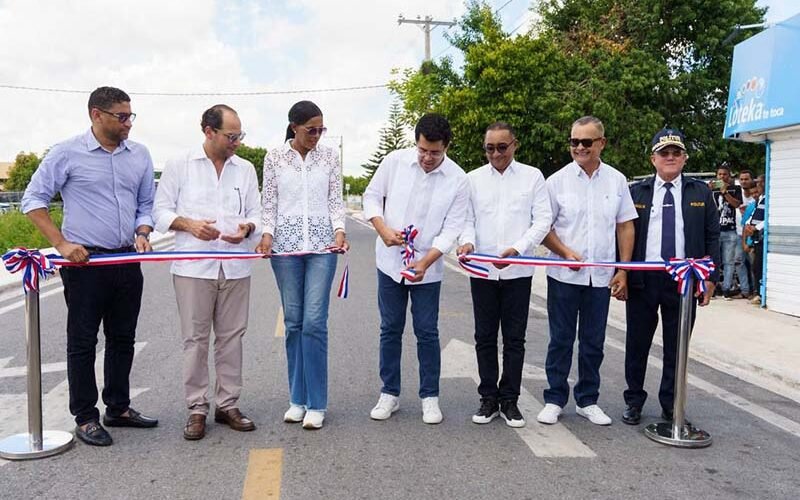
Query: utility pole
[[425, 25]]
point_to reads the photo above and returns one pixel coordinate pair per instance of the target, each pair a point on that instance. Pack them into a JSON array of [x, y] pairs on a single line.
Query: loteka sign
[[763, 91]]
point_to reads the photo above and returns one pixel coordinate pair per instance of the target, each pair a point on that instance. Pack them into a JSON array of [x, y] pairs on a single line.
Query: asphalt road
[[355, 457]]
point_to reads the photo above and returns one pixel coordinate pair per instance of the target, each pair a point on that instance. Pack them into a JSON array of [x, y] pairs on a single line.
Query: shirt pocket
[[197, 201], [569, 205], [611, 206]]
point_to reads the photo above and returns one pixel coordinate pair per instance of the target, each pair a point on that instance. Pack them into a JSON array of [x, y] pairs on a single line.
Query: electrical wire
[[203, 94]]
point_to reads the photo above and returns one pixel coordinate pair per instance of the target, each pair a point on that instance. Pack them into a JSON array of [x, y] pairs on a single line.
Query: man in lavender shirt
[[107, 185]]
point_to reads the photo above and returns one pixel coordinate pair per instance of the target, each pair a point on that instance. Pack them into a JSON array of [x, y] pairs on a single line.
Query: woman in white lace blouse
[[303, 210]]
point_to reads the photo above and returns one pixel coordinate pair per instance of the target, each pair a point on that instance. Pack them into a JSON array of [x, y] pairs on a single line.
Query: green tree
[[25, 164], [357, 184], [254, 155], [614, 59], [392, 137]]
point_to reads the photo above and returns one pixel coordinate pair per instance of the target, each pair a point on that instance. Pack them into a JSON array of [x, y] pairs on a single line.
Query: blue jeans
[[570, 307], [733, 258], [392, 303], [305, 287]]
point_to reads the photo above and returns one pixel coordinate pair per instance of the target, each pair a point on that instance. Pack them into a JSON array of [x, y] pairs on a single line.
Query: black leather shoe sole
[[632, 416], [98, 437], [138, 421]]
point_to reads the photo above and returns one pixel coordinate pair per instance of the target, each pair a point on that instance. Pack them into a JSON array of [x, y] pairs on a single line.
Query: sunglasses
[[587, 143], [666, 153], [500, 148], [315, 131], [233, 137], [122, 117]]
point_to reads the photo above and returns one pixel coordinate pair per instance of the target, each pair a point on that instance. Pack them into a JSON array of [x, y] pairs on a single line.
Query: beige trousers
[[224, 305]]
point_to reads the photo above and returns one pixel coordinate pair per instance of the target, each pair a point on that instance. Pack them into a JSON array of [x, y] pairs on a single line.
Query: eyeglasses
[[666, 153], [232, 137], [315, 131], [587, 143], [500, 148], [433, 154], [122, 117]]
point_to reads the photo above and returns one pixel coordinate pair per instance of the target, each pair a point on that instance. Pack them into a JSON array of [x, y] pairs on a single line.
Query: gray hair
[[590, 120]]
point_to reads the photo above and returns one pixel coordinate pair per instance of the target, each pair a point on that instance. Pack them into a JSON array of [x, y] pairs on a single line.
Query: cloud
[[204, 46]]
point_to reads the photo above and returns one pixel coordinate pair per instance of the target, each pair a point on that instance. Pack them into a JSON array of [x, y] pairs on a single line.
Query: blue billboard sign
[[765, 81]]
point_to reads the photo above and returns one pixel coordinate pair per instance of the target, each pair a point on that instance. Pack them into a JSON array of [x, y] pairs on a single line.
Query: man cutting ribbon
[[423, 187]]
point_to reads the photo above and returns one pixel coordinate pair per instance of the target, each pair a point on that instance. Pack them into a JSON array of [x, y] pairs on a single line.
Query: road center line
[[263, 479]]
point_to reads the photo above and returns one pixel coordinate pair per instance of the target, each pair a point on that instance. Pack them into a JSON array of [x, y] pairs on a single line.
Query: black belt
[[98, 250]]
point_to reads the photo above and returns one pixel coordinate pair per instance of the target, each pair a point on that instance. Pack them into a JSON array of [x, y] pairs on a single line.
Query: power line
[[202, 94], [497, 11]]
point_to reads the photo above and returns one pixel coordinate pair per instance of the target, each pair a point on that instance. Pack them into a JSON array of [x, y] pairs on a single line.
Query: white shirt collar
[[199, 153], [676, 182]]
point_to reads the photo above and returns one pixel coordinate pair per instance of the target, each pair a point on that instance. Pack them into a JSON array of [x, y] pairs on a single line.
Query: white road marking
[[458, 361], [764, 414], [55, 404], [21, 303]]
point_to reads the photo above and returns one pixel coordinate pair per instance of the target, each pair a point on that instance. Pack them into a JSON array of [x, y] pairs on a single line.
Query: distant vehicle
[[5, 207]]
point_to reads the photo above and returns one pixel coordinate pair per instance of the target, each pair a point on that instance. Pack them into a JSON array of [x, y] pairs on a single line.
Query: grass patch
[[16, 230]]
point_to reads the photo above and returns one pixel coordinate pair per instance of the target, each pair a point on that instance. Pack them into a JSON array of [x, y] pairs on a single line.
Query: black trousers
[[113, 295], [500, 304], [758, 266], [641, 311]]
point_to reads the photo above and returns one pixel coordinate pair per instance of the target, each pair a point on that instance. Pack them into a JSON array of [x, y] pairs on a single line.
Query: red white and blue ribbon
[[701, 269], [35, 265], [32, 264], [678, 268], [409, 251]]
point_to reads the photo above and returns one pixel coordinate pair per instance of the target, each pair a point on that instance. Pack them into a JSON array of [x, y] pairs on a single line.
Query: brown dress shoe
[[234, 419], [195, 427]]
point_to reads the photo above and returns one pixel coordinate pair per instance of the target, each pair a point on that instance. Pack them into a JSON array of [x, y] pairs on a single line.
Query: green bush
[[16, 230]]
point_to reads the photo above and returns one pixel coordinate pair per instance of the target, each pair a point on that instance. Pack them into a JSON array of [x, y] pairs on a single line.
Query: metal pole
[[32, 329], [35, 443], [679, 432], [427, 29]]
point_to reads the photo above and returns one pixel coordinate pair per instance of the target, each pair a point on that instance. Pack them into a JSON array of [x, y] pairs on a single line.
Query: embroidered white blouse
[[302, 199]]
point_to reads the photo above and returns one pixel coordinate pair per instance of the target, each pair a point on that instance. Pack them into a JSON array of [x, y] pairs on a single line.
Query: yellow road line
[[279, 328], [263, 478]]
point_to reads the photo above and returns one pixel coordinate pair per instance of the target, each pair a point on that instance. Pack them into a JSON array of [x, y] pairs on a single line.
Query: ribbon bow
[[32, 264], [409, 252], [701, 269]]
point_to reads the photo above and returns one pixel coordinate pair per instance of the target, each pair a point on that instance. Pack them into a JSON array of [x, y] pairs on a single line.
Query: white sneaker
[[294, 414], [387, 404], [313, 419], [549, 414], [594, 414], [431, 414]]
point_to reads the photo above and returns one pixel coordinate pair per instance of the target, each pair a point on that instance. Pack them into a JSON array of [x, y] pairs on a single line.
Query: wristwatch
[[143, 235]]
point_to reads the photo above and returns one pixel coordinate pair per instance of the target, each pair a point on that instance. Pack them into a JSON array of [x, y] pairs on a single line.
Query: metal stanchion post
[[35, 443], [679, 432]]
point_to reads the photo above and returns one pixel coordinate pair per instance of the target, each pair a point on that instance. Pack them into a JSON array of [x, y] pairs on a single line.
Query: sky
[[211, 46]]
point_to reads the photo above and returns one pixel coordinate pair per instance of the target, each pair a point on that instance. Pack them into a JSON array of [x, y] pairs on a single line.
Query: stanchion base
[[18, 446], [690, 437]]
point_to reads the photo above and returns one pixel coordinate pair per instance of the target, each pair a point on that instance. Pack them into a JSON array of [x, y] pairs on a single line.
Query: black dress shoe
[[94, 434], [666, 414], [134, 419], [632, 415]]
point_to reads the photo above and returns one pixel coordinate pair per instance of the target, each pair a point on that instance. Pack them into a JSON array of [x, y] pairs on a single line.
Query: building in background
[[764, 106]]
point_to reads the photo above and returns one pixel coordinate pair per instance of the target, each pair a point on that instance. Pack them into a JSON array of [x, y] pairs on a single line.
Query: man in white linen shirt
[[418, 186], [209, 197], [591, 205], [509, 214]]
